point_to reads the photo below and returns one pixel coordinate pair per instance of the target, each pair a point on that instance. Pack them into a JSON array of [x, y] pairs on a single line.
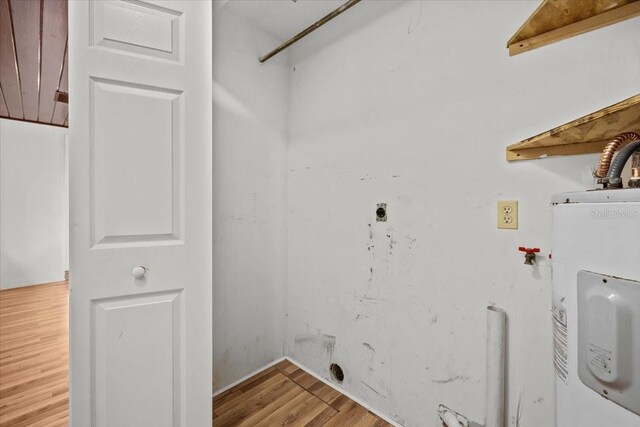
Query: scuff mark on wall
[[516, 419], [373, 390], [367, 300], [451, 379], [324, 342], [399, 419], [372, 353]]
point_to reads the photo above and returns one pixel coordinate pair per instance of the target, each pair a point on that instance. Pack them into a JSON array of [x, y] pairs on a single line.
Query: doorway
[[34, 213]]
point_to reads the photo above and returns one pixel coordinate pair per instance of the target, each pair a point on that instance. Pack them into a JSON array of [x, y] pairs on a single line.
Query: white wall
[[250, 130], [415, 108], [32, 204]]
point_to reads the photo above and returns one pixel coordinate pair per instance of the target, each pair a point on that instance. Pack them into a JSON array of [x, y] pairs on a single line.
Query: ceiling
[[33, 60], [282, 18]]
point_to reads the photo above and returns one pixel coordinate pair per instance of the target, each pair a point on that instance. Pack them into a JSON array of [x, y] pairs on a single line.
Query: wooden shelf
[[556, 20], [588, 134]]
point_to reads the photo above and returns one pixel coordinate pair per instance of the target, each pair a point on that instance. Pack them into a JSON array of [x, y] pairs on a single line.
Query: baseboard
[[246, 377], [30, 285], [346, 393]]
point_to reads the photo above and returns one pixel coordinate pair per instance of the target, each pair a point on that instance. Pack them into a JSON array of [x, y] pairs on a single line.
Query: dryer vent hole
[[336, 372]]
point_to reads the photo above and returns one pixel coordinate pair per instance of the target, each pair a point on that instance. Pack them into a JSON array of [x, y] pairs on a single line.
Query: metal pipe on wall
[[496, 345], [310, 29]]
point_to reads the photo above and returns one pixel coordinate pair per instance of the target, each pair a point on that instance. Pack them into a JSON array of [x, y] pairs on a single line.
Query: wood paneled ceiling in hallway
[[33, 61]]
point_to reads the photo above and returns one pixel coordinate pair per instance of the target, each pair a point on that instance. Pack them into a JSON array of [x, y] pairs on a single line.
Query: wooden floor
[[34, 366], [285, 395], [34, 356]]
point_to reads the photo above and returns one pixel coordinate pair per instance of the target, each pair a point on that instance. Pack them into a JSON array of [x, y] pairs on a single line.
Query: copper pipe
[[635, 166], [609, 150], [634, 182]]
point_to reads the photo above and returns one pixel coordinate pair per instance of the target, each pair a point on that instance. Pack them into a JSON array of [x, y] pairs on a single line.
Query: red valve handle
[[529, 250]]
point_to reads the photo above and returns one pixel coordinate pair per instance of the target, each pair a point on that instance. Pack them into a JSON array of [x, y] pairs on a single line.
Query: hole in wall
[[336, 372]]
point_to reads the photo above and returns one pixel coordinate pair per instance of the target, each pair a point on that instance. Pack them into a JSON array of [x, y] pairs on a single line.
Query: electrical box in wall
[[609, 337]]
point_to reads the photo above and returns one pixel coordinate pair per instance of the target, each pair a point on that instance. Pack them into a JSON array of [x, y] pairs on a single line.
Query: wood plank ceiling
[[33, 61]]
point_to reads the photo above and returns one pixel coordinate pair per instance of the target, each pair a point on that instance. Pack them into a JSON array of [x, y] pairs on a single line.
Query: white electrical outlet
[[508, 214]]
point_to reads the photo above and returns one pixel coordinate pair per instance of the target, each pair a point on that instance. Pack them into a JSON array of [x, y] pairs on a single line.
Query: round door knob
[[138, 272]]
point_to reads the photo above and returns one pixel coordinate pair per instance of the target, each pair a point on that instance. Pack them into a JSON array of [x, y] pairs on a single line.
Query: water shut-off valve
[[529, 254]]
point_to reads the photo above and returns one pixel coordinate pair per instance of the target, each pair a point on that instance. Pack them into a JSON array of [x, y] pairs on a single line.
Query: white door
[[140, 184]]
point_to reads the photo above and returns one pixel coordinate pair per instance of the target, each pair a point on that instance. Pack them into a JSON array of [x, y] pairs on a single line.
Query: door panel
[[138, 27], [137, 162], [124, 328], [140, 187]]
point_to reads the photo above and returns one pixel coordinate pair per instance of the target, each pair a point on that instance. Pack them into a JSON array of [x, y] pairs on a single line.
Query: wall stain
[[324, 342], [370, 244], [434, 320], [411, 240], [392, 242], [369, 346]]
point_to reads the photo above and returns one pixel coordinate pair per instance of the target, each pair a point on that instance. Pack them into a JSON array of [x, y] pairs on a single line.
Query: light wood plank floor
[[34, 356], [285, 395], [34, 361]]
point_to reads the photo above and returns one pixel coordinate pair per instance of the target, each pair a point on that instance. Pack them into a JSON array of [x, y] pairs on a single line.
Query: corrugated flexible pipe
[[617, 165], [610, 149]]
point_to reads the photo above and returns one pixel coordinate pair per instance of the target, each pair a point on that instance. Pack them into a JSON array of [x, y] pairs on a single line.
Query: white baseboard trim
[[346, 393], [246, 377]]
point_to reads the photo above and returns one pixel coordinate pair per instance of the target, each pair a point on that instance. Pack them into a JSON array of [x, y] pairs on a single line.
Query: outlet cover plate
[[508, 214]]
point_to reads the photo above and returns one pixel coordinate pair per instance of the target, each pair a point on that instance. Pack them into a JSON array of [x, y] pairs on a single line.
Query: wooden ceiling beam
[[26, 25], [53, 54], [9, 75], [4, 111]]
